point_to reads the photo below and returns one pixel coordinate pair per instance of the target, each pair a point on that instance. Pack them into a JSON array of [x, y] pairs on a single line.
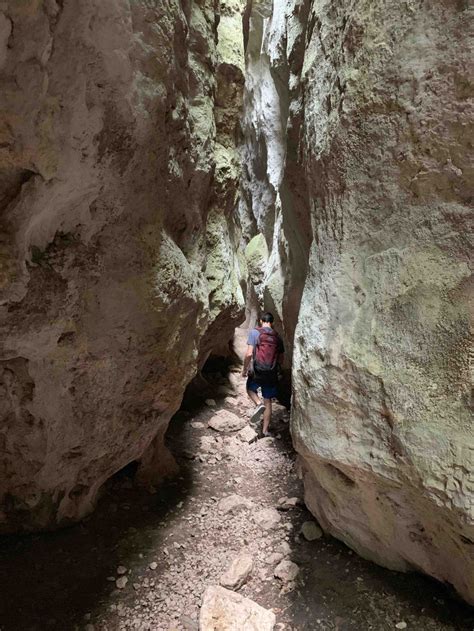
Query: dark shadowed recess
[[51, 580]]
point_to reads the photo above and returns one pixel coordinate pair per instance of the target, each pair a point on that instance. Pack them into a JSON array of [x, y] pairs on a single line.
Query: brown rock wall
[[107, 169]]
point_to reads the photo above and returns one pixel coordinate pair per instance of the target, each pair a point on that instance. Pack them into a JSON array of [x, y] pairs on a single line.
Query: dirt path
[[169, 546]]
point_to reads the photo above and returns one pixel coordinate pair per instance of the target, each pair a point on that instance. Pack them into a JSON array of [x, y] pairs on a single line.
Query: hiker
[[261, 363]]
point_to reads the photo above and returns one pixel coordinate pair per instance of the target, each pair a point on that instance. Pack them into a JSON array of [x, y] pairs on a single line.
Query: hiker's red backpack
[[265, 356]]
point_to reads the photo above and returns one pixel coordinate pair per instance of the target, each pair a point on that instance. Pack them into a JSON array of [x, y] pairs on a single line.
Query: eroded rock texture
[[274, 201], [118, 179], [374, 97]]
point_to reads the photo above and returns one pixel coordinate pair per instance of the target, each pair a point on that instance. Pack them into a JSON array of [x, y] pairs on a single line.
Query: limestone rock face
[[274, 205], [375, 102], [223, 609], [118, 180]]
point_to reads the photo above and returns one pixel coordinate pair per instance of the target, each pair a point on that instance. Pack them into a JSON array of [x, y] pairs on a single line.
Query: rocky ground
[[233, 516]]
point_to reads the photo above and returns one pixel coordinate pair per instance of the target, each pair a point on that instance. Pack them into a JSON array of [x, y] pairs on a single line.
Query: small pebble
[[121, 582], [311, 531]]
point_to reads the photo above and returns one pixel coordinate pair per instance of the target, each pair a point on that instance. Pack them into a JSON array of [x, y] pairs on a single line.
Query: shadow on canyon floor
[[59, 580], [52, 580]]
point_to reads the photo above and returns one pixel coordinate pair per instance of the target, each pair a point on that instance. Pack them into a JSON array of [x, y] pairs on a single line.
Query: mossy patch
[[256, 255]]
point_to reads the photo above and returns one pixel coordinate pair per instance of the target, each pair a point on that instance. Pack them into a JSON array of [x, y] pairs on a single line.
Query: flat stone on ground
[[224, 610], [225, 421], [233, 503], [238, 572], [311, 531], [264, 443], [247, 434], [286, 571], [285, 503], [267, 518]]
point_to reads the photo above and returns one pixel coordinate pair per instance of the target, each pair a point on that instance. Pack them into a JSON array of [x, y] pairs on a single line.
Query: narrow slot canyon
[[169, 171]]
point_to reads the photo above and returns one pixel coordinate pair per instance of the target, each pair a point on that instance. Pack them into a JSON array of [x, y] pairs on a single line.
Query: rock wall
[[122, 266], [274, 202], [118, 180], [375, 100]]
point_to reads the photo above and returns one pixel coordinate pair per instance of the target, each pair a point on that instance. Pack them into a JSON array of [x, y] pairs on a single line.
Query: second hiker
[[261, 364]]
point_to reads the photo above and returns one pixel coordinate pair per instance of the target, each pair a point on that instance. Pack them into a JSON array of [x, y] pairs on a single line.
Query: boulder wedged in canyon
[[116, 189], [377, 101]]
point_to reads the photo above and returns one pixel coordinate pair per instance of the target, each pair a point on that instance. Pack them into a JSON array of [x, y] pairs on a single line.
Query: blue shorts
[[268, 392]]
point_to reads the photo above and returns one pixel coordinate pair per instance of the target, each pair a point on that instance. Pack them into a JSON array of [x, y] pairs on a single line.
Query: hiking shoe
[[256, 414], [268, 435]]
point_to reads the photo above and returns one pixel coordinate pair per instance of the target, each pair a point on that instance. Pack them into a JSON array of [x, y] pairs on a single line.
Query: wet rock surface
[[174, 544]]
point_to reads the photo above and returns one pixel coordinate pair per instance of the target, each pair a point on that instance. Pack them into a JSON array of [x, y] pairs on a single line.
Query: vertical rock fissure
[[126, 210], [274, 191], [355, 210]]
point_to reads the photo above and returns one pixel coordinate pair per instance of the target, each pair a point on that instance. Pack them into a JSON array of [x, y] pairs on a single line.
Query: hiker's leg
[[253, 396], [252, 391], [267, 415]]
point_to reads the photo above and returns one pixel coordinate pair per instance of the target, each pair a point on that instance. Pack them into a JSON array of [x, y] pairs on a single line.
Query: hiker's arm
[[247, 358]]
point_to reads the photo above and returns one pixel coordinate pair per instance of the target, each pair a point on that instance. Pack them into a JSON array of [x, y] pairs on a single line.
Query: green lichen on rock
[[147, 187], [256, 256], [231, 42], [222, 268], [382, 389]]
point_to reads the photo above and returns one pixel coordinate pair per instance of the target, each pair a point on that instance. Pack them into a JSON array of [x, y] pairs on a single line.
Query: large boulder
[[116, 208], [382, 390], [224, 610]]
